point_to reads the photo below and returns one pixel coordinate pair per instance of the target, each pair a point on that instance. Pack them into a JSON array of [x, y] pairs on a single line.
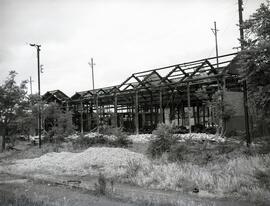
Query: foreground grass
[[220, 170], [223, 171], [11, 200]]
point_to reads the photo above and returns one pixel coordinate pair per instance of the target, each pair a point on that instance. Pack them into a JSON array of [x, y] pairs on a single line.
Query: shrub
[[231, 133], [100, 186], [263, 177], [210, 130], [106, 129], [120, 140], [162, 140], [176, 152], [197, 128], [84, 142], [12, 200], [133, 167], [121, 137], [179, 130]]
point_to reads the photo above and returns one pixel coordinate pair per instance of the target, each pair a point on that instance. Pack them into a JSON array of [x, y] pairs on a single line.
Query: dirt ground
[[54, 192], [59, 194]]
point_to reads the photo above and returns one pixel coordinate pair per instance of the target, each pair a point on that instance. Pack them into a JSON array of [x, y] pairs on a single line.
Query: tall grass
[[9, 199], [238, 177]]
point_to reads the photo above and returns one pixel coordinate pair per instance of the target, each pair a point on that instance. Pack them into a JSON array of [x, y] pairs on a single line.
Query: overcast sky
[[123, 37]]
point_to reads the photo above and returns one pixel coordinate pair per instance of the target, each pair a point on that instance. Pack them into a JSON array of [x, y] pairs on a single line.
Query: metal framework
[[158, 95]]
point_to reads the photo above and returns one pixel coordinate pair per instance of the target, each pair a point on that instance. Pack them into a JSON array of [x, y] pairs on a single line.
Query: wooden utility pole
[[31, 81], [240, 10], [39, 109], [94, 92], [216, 41]]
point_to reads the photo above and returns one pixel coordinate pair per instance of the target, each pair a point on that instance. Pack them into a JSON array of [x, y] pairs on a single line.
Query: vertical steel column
[[151, 110], [161, 119], [198, 114], [189, 110], [136, 112], [81, 117], [115, 111], [203, 115]]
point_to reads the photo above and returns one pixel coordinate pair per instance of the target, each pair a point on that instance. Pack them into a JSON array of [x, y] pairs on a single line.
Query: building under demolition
[[178, 94]]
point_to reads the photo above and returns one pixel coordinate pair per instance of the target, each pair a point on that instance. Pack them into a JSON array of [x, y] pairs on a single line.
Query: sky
[[122, 36]]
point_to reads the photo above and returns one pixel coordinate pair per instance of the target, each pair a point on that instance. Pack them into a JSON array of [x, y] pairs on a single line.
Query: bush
[[197, 128], [263, 177], [121, 137], [85, 142], [179, 130], [162, 142], [210, 130], [176, 152], [100, 186], [231, 133], [12, 200]]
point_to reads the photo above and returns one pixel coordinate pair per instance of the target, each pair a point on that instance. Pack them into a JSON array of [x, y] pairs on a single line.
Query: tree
[[220, 109], [254, 61], [12, 102], [58, 123]]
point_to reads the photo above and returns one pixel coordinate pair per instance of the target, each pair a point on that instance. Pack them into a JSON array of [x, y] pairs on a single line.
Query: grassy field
[[227, 169]]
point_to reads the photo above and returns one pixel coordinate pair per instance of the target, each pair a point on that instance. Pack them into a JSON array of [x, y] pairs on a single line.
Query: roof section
[[169, 77], [55, 95]]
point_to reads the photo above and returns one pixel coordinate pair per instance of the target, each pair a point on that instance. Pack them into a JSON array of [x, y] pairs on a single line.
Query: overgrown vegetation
[[121, 139], [101, 185], [58, 123], [254, 66], [162, 142], [12, 104], [108, 136], [11, 200]]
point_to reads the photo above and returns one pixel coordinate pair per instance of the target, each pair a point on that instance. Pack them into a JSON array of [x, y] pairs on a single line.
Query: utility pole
[[31, 81], [39, 109], [240, 10], [92, 64], [215, 33]]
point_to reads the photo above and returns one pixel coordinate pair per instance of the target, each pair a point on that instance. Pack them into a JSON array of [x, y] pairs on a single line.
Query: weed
[[12, 200], [263, 177], [121, 139], [100, 186], [162, 142], [176, 152], [133, 167]]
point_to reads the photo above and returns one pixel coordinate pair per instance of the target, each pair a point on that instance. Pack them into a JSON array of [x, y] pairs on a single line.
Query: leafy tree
[[254, 61], [12, 103], [222, 110], [58, 123]]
